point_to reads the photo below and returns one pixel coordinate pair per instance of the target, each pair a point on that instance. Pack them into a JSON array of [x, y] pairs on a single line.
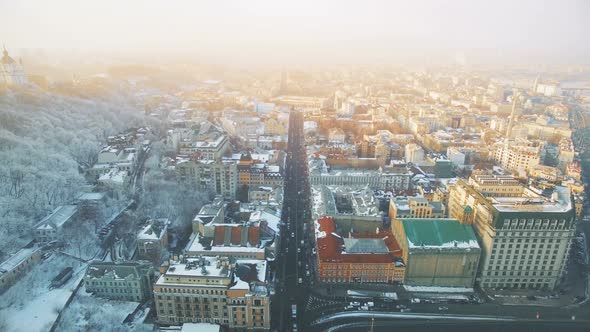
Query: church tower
[[11, 72]]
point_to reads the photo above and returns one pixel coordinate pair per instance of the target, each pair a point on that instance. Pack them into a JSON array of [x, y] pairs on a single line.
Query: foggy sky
[[304, 30]]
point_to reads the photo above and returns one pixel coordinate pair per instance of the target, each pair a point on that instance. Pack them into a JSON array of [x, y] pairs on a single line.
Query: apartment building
[[219, 176], [214, 290], [525, 239], [518, 155]]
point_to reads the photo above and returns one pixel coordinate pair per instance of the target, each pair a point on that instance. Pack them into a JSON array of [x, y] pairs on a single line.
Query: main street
[[294, 245]]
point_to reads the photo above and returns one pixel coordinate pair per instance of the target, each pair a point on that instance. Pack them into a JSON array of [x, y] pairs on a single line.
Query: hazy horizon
[[272, 32]]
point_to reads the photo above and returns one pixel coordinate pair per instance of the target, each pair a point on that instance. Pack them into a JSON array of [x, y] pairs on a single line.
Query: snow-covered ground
[[29, 305], [425, 289], [87, 312]]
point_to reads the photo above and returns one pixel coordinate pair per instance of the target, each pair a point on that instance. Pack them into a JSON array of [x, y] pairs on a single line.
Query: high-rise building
[[525, 237]]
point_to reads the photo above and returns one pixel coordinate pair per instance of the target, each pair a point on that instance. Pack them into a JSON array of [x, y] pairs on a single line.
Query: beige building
[[438, 252], [518, 155], [415, 207], [17, 265], [214, 290], [496, 185], [525, 239]]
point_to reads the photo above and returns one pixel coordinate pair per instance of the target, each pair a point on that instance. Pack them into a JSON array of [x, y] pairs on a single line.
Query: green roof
[[439, 233]]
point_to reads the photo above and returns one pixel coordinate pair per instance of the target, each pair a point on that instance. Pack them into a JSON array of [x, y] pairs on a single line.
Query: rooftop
[[16, 259], [134, 270], [59, 216], [377, 247], [439, 233]]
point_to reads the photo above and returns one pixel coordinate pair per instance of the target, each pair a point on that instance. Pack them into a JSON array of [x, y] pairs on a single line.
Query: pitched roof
[[364, 248]]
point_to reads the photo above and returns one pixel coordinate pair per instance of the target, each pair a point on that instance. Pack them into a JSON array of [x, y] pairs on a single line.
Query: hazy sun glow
[[263, 30]]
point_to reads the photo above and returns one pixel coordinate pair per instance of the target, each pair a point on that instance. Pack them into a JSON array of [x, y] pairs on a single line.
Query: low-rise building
[[131, 281], [152, 239], [438, 252], [18, 264], [49, 228], [209, 215], [371, 257]]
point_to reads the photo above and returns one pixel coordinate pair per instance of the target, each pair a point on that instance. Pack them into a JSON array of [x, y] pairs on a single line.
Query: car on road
[[355, 304], [400, 306], [406, 310], [292, 234], [443, 308]]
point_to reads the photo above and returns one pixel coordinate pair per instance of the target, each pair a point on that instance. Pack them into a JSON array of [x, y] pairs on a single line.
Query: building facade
[[214, 290], [131, 281], [219, 176], [438, 252], [525, 239], [415, 207], [370, 258]]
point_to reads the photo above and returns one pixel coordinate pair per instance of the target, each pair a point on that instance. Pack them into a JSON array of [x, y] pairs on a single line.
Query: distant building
[[219, 176], [518, 155], [414, 153], [152, 239], [214, 290], [120, 281], [373, 258], [415, 207], [438, 252], [336, 135], [11, 72], [18, 264]]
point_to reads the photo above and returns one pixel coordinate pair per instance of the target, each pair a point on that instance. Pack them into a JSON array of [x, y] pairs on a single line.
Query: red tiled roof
[[330, 246]]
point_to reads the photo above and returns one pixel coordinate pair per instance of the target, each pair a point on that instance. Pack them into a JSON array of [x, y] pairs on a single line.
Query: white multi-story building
[[414, 153], [518, 155]]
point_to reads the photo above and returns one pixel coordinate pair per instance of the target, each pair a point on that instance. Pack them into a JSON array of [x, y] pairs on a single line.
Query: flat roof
[[438, 233]]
